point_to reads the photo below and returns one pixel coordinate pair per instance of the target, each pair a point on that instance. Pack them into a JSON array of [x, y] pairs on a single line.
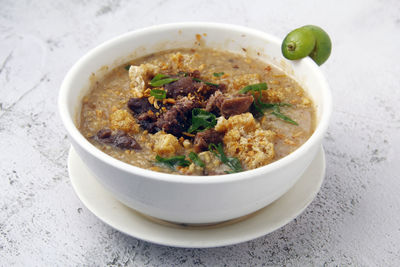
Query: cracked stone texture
[[354, 220]]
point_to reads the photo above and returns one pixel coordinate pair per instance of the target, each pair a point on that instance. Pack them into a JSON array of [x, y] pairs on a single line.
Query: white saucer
[[112, 212]]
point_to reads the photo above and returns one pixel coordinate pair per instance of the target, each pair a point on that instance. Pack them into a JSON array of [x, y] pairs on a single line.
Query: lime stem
[[291, 46]]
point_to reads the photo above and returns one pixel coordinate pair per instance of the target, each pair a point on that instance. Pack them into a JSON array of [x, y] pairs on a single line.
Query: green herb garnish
[[231, 162], [254, 87], [278, 114], [127, 67], [202, 120], [196, 160], [161, 79], [208, 83], [158, 94], [260, 106], [218, 74], [173, 161]]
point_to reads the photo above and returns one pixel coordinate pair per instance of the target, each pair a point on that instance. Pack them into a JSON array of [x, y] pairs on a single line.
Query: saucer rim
[[200, 235]]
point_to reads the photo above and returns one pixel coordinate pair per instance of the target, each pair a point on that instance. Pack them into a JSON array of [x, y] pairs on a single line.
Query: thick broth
[[254, 139]]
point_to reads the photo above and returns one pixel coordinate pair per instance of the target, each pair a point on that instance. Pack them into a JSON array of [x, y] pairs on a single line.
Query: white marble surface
[[355, 219]]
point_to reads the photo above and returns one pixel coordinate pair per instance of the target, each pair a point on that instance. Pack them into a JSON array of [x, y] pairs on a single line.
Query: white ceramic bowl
[[192, 199]]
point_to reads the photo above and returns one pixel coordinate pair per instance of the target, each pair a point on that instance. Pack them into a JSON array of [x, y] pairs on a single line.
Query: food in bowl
[[192, 198], [197, 112]]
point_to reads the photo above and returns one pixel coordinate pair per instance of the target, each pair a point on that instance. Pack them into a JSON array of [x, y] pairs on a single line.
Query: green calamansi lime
[[298, 43], [323, 44], [308, 40]]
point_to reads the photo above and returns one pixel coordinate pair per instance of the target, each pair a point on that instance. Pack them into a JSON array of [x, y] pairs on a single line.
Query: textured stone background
[[355, 219]]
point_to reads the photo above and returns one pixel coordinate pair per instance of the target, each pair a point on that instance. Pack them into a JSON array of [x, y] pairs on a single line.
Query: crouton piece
[[139, 75], [166, 144], [245, 139], [244, 121], [123, 120]]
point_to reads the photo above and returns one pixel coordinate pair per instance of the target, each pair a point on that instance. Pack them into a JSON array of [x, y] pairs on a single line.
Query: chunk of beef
[[124, 141], [148, 121], [171, 122], [211, 89], [214, 102], [229, 106], [203, 139], [140, 105], [144, 113], [181, 87], [178, 118], [192, 84], [236, 105], [120, 139], [104, 133], [195, 74]]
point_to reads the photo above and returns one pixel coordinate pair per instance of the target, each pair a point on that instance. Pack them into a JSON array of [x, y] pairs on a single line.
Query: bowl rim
[[75, 134]]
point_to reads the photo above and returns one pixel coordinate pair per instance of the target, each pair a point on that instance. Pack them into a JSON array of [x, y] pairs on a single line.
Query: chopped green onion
[[158, 94], [282, 104], [259, 106], [208, 83], [202, 120], [218, 74], [127, 67], [172, 161], [278, 114], [231, 162], [254, 87], [196, 160], [161, 79]]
